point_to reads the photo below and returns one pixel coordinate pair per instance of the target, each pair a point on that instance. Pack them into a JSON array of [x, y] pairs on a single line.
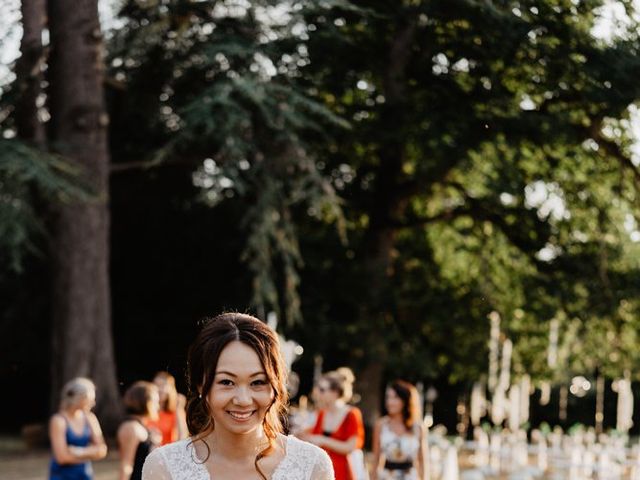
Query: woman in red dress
[[339, 428], [171, 420]]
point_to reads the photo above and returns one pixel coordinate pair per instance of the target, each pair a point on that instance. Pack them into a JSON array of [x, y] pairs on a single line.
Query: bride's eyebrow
[[224, 372]]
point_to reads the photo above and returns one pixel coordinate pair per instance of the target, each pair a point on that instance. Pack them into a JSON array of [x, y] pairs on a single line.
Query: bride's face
[[241, 393]]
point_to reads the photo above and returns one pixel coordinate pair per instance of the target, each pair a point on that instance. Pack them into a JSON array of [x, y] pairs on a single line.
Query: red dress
[[351, 426], [166, 423]]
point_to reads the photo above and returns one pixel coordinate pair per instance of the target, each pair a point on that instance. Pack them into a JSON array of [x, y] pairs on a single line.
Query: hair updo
[[341, 381], [215, 335], [76, 390]]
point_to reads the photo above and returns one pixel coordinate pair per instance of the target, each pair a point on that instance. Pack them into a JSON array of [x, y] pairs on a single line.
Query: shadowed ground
[[19, 463]]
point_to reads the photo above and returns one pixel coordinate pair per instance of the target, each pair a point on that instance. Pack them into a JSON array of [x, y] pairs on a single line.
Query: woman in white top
[[398, 437], [236, 377]]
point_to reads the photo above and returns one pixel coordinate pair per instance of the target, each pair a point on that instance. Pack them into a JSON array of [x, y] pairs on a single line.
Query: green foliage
[[208, 73], [486, 143], [517, 185], [29, 177]]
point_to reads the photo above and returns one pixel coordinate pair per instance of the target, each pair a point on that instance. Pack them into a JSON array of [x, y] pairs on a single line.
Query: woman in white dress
[[236, 378], [398, 438]]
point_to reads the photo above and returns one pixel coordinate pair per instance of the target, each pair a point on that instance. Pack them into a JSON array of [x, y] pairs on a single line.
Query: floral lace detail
[[177, 461]]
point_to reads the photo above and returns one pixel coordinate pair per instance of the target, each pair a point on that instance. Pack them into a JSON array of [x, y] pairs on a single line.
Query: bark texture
[[388, 206], [82, 336]]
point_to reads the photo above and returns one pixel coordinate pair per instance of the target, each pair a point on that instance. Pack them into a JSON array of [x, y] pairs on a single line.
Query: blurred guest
[[338, 428], [398, 437], [137, 435], [171, 421], [75, 434]]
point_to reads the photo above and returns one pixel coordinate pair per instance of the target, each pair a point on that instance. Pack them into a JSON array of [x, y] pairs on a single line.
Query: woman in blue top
[[75, 434]]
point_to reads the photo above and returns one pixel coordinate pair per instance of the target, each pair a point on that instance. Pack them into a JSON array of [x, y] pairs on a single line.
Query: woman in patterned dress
[[398, 437]]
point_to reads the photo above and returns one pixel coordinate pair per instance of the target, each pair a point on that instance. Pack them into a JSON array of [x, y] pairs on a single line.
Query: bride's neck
[[232, 446]]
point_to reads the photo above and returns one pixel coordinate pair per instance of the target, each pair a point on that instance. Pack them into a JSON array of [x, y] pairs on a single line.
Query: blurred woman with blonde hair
[[339, 428], [75, 434]]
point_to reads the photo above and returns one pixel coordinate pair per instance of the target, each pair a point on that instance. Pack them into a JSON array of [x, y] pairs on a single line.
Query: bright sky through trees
[[547, 198]]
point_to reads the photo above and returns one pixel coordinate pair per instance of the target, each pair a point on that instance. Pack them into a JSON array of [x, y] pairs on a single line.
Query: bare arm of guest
[[129, 437], [423, 455], [375, 449], [64, 453], [343, 447], [97, 439], [181, 418]]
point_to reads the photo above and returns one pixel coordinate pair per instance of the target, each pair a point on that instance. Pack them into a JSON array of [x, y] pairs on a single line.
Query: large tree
[[82, 341], [456, 115], [460, 110], [468, 122], [54, 175]]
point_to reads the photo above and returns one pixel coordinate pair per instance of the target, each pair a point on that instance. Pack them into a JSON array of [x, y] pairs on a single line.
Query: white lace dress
[[178, 461]]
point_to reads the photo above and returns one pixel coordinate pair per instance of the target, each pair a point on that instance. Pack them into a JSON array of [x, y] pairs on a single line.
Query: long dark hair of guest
[[409, 396]]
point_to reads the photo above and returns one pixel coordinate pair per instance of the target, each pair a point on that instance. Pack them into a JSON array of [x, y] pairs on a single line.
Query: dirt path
[[18, 463]]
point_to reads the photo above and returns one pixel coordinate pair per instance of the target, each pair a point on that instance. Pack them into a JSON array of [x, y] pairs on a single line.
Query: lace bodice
[[177, 461]]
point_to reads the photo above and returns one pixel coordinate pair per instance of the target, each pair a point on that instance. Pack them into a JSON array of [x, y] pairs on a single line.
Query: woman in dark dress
[[136, 435]]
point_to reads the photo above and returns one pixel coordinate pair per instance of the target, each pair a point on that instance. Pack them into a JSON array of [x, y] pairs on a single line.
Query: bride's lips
[[241, 416]]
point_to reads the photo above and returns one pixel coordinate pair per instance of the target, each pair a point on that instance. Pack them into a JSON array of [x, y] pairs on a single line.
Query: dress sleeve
[[360, 429], [322, 468], [155, 467], [353, 426]]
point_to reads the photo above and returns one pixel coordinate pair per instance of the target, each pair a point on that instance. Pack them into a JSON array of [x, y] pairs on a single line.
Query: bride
[[237, 398]]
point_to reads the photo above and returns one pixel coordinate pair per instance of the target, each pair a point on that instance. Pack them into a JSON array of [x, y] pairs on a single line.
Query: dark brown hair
[[409, 396], [138, 396], [171, 402], [204, 353]]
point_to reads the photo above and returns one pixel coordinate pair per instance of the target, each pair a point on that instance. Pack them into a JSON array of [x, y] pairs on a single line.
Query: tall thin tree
[[82, 338]]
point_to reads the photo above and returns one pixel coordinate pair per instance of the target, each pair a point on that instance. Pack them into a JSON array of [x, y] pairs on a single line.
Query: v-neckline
[[406, 434], [279, 466], [338, 426], [83, 429]]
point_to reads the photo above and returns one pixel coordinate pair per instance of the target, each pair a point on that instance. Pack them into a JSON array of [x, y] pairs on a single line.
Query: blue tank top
[[77, 471]]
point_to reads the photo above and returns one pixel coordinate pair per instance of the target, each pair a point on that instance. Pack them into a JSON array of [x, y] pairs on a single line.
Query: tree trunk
[[378, 261], [82, 338], [388, 206], [29, 71]]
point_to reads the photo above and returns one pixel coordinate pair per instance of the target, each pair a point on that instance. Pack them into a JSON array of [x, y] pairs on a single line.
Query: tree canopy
[[390, 173]]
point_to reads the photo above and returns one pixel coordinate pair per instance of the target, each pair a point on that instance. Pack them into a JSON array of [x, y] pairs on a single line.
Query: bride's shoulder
[[181, 448], [163, 462], [310, 461]]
